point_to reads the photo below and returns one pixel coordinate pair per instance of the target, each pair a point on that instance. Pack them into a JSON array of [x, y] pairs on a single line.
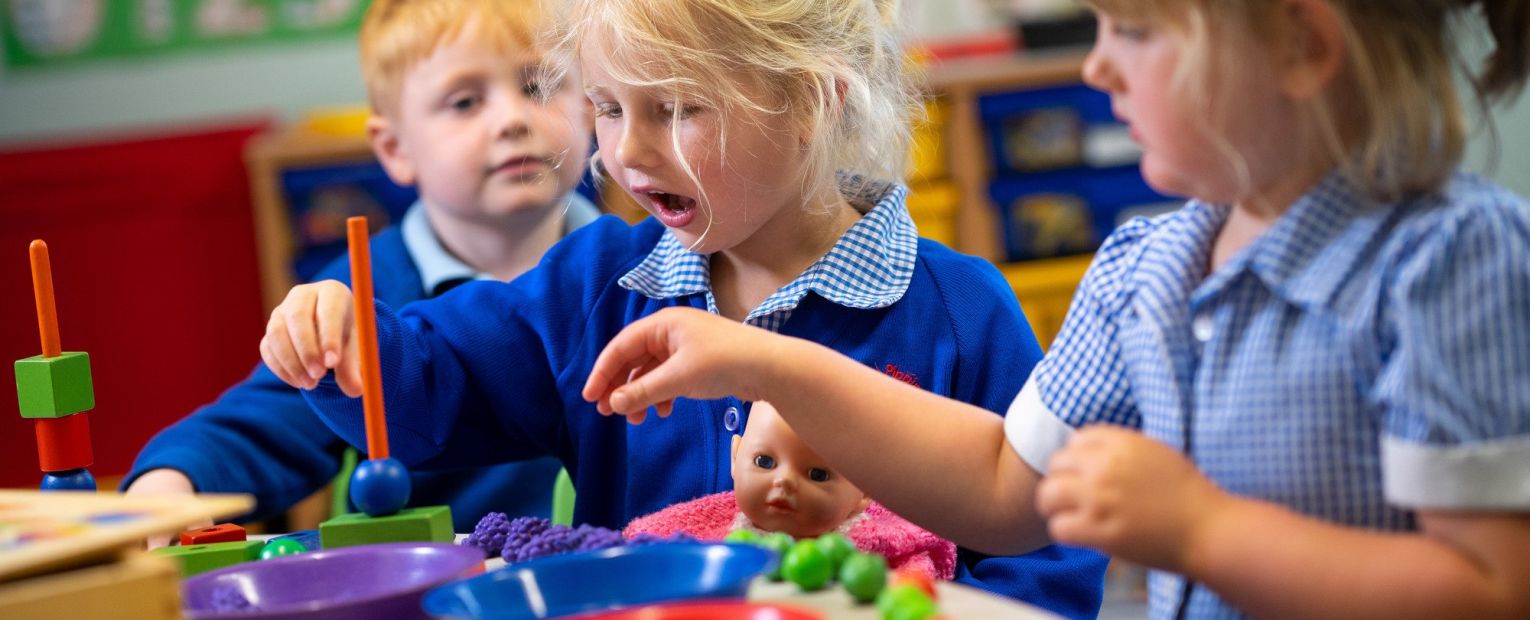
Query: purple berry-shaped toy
[[490, 534]]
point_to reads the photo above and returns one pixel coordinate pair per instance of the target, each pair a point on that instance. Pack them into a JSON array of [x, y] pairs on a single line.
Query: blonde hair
[[1395, 122], [397, 34], [834, 67]]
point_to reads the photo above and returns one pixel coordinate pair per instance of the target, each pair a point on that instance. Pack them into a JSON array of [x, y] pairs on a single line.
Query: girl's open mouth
[[674, 210]]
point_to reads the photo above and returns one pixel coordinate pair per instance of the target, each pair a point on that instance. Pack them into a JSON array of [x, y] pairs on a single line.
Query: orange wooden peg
[[42, 290], [366, 332]]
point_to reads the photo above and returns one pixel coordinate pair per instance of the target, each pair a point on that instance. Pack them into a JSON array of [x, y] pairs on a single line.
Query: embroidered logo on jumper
[[893, 371]]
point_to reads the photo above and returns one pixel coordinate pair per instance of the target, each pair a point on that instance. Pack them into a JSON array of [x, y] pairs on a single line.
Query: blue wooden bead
[[380, 486], [69, 480]]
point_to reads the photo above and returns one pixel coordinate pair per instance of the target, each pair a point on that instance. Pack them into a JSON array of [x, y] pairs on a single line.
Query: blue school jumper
[[261, 437], [493, 372], [1356, 362]]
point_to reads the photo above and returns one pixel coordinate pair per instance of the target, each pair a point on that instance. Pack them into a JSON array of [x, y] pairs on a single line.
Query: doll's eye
[[818, 474], [764, 461]]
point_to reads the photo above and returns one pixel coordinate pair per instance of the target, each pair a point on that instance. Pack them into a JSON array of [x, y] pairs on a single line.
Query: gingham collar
[[1312, 249], [869, 267]]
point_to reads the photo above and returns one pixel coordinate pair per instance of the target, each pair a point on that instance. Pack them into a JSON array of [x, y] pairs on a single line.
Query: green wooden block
[[425, 523], [54, 387], [196, 559]]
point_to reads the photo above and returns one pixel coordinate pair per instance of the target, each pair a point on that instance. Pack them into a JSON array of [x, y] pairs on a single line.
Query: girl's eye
[[532, 89], [683, 112], [608, 110], [1131, 32], [818, 474], [764, 461]]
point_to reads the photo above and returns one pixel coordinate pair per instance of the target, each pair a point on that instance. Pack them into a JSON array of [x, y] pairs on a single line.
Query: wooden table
[[956, 601]]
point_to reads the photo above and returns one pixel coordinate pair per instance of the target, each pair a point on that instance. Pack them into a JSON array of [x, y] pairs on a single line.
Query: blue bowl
[[602, 580]]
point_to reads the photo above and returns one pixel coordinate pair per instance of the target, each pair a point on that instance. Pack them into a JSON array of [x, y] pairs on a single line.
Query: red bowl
[[708, 610]]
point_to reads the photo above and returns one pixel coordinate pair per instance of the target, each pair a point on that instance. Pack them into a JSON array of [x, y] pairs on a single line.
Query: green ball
[[903, 600], [779, 542], [742, 536], [280, 547], [807, 566], [837, 547], [863, 576]]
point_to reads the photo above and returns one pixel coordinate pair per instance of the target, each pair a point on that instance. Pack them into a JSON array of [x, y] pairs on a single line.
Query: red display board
[[155, 276]]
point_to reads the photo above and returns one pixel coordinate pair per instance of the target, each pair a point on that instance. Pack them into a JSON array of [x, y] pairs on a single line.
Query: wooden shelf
[[960, 83], [1007, 72], [1045, 289], [266, 157]]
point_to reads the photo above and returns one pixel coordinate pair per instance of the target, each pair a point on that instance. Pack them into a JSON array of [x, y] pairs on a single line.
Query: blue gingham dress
[[1354, 363]]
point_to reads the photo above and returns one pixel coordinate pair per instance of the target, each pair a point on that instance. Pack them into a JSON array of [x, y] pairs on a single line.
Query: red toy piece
[[222, 532], [64, 443], [914, 578]]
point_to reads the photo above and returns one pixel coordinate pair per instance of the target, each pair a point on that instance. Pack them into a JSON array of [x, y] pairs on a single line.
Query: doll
[[781, 485]]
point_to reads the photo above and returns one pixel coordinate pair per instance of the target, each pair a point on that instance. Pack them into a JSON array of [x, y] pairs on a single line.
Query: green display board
[[42, 33]]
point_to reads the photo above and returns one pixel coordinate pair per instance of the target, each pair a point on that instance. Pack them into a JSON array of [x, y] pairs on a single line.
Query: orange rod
[[366, 332], [42, 290]]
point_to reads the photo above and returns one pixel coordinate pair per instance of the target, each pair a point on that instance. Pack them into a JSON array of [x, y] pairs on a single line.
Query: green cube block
[[55, 387], [425, 523], [197, 559]]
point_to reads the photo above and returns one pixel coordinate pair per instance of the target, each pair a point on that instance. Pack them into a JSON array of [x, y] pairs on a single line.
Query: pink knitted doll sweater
[[877, 530]]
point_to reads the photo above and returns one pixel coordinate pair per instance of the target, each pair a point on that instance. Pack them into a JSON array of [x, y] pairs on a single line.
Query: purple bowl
[[367, 581]]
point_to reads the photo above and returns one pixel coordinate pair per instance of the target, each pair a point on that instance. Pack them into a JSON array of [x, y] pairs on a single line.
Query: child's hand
[[679, 352], [310, 333], [163, 482], [1127, 495]]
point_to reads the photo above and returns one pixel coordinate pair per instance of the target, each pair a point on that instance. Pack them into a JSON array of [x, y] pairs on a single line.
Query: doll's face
[[783, 486]]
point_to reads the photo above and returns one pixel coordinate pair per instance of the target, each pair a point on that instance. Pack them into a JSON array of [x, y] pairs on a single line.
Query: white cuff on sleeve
[[1485, 475], [1034, 431]]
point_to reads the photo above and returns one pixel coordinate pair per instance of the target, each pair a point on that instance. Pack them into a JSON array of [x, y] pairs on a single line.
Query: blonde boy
[[459, 112]]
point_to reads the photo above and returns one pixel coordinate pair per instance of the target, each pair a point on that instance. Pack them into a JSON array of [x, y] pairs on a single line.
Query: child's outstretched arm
[[309, 334], [958, 477]]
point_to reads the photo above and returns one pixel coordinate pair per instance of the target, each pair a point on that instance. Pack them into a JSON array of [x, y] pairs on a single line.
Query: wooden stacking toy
[[56, 393], [380, 485]]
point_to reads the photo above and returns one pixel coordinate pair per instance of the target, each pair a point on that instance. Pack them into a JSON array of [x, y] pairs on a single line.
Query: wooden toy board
[[138, 586], [42, 532]]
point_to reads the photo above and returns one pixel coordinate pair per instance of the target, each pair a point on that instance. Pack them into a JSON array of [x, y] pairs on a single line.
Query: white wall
[[117, 96], [103, 98], [1513, 148]]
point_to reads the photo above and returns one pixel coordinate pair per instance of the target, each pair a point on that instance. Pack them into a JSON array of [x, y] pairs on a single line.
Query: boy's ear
[[390, 150], [733, 458], [1313, 49]]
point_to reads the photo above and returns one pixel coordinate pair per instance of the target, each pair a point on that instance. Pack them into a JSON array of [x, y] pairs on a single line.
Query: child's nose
[[633, 149], [1099, 73], [512, 118]]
